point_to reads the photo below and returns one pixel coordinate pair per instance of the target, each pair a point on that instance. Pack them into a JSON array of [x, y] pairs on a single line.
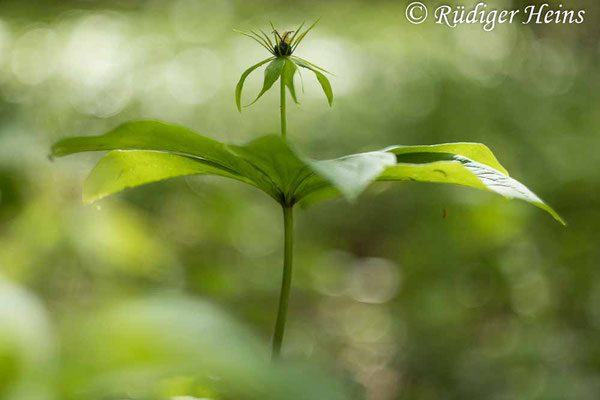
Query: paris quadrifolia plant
[[145, 151], [283, 65]]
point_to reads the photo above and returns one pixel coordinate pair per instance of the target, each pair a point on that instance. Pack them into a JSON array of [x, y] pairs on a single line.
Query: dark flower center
[[282, 49]]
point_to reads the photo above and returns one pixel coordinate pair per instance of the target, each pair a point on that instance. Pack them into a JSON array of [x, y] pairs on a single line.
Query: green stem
[[282, 109], [286, 281]]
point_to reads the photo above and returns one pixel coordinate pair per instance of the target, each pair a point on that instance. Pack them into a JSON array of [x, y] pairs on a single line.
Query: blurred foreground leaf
[[137, 349], [26, 345]]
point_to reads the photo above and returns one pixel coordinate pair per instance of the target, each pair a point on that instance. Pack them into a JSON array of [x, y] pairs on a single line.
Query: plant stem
[[286, 281], [282, 109]]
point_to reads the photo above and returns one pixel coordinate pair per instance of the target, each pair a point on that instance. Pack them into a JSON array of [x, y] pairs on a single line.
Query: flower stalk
[[286, 280]]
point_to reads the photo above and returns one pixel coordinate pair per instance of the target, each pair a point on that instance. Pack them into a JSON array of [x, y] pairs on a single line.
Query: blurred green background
[[169, 291]]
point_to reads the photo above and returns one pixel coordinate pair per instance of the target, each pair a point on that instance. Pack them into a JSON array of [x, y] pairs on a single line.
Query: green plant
[[147, 151], [283, 66]]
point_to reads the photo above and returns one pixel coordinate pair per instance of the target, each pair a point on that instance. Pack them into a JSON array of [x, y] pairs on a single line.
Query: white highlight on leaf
[[352, 174], [497, 182]]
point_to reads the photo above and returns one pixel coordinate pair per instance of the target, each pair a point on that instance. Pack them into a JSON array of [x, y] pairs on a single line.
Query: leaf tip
[[551, 211], [88, 198], [563, 222], [53, 151], [559, 218]]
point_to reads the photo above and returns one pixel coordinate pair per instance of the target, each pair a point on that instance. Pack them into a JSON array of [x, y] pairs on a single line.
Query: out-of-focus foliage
[[494, 301], [152, 348]]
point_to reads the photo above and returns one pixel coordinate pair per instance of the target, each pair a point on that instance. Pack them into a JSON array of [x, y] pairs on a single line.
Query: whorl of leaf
[[141, 152]]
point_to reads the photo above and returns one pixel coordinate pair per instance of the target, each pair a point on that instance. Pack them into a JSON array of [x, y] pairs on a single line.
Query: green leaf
[[240, 84], [311, 198], [350, 175], [466, 172], [289, 69], [124, 169], [150, 135], [272, 73], [159, 136], [271, 155], [475, 151], [166, 151], [296, 177], [325, 85]]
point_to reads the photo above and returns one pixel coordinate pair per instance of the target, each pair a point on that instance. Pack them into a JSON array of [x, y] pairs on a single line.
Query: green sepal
[[240, 84], [296, 42], [325, 85], [272, 73], [287, 74], [309, 64]]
